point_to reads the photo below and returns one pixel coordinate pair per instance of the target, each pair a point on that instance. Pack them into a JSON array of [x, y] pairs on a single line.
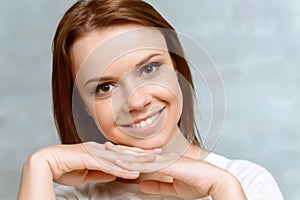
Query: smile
[[146, 127], [146, 122]]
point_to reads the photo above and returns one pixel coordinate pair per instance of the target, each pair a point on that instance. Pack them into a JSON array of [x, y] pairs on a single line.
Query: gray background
[[255, 45]]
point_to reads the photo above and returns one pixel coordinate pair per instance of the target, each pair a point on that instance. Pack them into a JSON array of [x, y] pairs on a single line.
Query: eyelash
[[152, 66], [99, 87]]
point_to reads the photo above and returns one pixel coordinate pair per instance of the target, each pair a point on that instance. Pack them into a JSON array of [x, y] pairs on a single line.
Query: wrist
[[37, 164], [228, 187], [37, 179]]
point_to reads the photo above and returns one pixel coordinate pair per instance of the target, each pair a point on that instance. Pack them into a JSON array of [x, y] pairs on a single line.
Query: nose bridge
[[135, 92], [139, 98], [132, 94], [128, 85]]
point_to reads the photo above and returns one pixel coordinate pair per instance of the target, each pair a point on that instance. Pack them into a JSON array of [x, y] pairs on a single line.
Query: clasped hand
[[188, 178]]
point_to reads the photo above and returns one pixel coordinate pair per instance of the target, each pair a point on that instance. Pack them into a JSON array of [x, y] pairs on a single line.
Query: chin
[[157, 141]]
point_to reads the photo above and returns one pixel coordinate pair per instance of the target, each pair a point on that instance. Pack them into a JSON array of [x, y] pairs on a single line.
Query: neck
[[182, 147]]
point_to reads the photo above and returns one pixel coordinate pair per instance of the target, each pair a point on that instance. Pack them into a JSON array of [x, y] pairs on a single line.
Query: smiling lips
[[146, 127]]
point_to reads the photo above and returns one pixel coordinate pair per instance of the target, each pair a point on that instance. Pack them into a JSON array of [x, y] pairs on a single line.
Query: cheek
[[103, 116], [172, 95], [176, 105], [171, 89]]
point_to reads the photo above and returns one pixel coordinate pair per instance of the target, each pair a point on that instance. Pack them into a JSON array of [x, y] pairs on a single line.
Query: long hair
[[88, 15]]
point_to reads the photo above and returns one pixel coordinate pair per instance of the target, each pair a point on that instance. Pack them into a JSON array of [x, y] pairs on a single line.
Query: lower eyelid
[[103, 96]]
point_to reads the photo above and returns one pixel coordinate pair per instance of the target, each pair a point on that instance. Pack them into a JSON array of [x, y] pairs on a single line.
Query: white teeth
[[143, 123], [146, 122], [137, 125]]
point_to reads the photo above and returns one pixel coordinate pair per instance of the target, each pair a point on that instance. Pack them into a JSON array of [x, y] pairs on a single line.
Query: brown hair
[[87, 15]]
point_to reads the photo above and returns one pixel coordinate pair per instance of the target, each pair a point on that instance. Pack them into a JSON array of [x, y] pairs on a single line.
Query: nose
[[139, 99]]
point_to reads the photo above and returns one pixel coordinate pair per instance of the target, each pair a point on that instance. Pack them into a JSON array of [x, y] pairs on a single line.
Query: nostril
[[139, 99]]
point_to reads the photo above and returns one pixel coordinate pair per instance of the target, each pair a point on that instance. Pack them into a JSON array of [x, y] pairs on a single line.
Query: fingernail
[[110, 146], [134, 173], [157, 150], [151, 155], [109, 143]]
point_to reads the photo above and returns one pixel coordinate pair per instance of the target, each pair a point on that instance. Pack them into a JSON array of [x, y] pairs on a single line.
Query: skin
[[177, 172], [122, 75]]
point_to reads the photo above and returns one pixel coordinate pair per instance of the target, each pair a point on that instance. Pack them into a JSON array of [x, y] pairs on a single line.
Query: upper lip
[[143, 118]]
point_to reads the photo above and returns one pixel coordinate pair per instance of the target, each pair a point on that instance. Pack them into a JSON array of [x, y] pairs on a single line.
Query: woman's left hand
[[192, 178]]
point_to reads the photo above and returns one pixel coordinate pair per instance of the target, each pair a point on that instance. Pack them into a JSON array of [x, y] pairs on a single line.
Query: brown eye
[[104, 89]]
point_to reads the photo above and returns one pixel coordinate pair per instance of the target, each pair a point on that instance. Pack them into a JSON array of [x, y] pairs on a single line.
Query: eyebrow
[[145, 60], [108, 78], [97, 79]]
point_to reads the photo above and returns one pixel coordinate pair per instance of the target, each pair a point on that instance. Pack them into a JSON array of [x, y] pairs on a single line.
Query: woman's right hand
[[75, 165], [89, 162]]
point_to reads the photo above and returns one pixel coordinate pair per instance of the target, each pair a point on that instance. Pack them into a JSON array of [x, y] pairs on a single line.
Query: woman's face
[[132, 94]]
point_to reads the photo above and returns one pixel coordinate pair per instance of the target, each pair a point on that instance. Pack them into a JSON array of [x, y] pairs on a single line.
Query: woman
[[119, 72]]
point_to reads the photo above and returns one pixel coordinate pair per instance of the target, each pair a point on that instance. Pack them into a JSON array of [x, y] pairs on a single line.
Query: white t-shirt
[[257, 182]]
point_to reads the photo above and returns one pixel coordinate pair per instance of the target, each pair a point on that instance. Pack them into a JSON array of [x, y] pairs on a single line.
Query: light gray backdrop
[[255, 45]]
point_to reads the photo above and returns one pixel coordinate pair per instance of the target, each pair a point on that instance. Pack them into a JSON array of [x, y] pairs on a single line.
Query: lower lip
[[149, 130]]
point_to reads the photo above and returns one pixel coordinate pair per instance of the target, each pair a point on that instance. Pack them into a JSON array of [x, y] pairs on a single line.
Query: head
[[81, 21]]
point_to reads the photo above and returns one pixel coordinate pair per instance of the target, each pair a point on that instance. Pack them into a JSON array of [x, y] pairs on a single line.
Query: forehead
[[94, 52]]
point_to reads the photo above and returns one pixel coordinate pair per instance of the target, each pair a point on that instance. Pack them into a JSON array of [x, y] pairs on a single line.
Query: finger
[[70, 164], [110, 168], [126, 174], [200, 173], [83, 177], [178, 189], [160, 163], [122, 149], [101, 154], [98, 176], [113, 156], [90, 161], [111, 152], [157, 187], [138, 150], [111, 147]]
